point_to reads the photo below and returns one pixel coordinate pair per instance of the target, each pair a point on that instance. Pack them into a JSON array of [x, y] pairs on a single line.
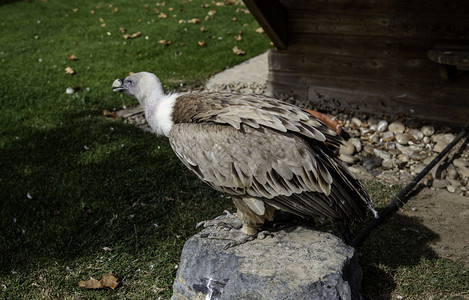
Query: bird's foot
[[236, 238], [228, 227], [225, 222]]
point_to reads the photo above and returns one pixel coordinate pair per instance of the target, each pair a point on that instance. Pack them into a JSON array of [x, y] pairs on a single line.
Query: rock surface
[[294, 263]]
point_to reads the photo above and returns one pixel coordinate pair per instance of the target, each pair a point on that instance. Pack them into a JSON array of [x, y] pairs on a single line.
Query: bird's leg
[[232, 229], [248, 229]]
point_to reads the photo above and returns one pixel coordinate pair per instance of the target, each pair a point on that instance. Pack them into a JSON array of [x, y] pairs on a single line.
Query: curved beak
[[118, 85]]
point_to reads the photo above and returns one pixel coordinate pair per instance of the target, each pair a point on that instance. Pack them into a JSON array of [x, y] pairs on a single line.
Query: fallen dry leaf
[[162, 15], [132, 36], [110, 114], [103, 25], [205, 5], [201, 43], [238, 37], [101, 20], [122, 29], [206, 18], [231, 2], [211, 12], [193, 21], [115, 9], [164, 42], [92, 12], [234, 19], [243, 10], [91, 284], [107, 281], [203, 29], [238, 51], [260, 30], [219, 4], [69, 70], [75, 10]]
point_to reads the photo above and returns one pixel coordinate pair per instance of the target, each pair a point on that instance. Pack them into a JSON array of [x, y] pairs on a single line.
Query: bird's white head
[[142, 85], [158, 107]]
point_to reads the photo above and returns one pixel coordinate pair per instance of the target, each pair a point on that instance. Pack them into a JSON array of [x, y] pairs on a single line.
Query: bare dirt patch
[[447, 215]]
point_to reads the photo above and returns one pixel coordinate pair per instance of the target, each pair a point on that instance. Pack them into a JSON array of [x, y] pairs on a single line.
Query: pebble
[[382, 154], [418, 168], [382, 126], [388, 163], [439, 184], [403, 157], [374, 138], [441, 144], [368, 149], [403, 138], [443, 138], [396, 127], [357, 122], [356, 143], [388, 136], [416, 134], [464, 172], [428, 130], [392, 152], [371, 162], [451, 172], [461, 163]]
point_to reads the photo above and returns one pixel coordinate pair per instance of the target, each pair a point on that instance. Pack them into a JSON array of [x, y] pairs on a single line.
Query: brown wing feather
[[284, 169], [253, 110]]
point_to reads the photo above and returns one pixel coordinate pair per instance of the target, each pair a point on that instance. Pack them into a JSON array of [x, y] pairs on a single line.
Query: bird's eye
[[131, 82]]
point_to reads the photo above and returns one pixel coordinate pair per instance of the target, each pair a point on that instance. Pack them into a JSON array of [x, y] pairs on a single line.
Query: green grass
[[73, 182]]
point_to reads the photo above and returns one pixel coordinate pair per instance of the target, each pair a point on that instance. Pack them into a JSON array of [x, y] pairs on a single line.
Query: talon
[[200, 224]]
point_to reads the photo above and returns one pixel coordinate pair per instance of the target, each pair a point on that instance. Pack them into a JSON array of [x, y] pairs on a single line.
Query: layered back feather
[[255, 146]]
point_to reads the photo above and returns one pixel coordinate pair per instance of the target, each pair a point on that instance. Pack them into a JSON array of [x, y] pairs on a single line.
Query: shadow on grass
[[90, 183], [69, 191], [4, 2], [399, 242]]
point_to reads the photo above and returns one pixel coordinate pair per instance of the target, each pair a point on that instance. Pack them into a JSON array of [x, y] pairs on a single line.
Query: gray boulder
[[294, 263]]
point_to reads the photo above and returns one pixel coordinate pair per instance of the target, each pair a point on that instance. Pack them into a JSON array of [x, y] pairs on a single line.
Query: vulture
[[265, 153]]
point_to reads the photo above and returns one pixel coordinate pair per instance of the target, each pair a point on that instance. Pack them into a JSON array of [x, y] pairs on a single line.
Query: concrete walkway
[[254, 70]]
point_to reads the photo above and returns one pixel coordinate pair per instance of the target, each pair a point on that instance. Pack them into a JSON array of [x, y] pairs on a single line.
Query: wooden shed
[[392, 57]]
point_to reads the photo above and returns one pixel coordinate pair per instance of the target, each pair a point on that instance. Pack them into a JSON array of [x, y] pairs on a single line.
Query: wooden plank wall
[[371, 56]]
